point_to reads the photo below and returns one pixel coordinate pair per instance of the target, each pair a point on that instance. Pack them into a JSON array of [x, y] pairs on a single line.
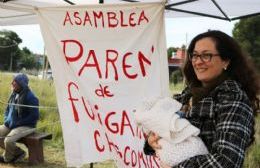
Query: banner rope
[[22, 105]]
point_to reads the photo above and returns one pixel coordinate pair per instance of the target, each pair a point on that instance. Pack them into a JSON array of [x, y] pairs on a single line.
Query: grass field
[[50, 122]]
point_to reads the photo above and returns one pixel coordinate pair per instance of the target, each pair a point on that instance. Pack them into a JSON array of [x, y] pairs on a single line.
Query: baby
[[179, 139]]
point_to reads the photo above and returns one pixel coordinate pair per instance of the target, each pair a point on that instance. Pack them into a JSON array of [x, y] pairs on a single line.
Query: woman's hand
[[153, 139]]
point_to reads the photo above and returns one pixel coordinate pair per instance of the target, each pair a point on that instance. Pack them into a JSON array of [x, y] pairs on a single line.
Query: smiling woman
[[207, 67], [220, 99]]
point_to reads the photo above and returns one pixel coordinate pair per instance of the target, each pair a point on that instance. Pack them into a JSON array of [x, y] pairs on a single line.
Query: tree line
[[247, 33], [12, 58]]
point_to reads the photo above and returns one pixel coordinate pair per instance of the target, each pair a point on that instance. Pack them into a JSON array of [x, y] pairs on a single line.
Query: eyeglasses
[[204, 57]]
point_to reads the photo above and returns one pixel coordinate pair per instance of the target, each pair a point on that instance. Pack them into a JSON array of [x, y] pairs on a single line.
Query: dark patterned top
[[225, 119]]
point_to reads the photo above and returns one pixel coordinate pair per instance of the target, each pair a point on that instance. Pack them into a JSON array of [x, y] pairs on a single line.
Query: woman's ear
[[226, 64]]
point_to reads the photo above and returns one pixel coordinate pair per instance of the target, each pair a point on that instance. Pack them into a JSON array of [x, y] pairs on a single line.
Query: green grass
[[176, 88], [253, 154], [50, 122]]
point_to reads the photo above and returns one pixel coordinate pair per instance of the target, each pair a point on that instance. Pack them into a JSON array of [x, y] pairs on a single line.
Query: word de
[[103, 91]]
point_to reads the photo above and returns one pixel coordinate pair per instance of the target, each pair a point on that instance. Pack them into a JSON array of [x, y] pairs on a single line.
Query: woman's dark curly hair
[[240, 67]]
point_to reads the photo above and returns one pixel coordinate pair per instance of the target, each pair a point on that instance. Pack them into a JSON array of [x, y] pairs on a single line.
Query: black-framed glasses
[[205, 57]]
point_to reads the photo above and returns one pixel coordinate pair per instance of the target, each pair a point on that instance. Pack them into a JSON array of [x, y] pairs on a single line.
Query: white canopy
[[20, 12]]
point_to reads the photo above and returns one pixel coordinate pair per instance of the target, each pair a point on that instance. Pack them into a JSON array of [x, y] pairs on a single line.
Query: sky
[[179, 31]]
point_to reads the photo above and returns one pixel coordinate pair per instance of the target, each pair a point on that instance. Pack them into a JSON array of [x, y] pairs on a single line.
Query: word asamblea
[[102, 19]]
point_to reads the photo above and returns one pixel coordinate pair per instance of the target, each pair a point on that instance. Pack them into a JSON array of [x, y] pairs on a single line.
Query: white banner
[[106, 59]]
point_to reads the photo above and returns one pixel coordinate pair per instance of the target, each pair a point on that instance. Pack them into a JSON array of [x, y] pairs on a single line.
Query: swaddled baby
[[179, 139]]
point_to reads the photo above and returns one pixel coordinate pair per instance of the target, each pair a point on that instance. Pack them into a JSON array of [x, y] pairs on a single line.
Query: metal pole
[[12, 54], [44, 63], [11, 62], [91, 164]]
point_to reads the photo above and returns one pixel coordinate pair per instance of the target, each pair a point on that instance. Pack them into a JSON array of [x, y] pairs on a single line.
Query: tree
[[11, 57], [247, 33], [170, 50], [176, 76], [9, 50], [183, 47], [28, 60], [27, 51]]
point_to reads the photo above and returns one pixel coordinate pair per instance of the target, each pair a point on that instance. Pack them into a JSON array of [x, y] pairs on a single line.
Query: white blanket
[[179, 138]]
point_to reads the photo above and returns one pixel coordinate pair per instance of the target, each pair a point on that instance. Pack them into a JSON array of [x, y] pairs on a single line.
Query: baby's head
[[151, 112]]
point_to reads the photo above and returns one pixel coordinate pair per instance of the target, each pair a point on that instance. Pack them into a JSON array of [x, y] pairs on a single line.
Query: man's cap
[[22, 80]]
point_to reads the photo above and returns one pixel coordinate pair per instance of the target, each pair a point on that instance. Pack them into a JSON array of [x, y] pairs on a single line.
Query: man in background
[[20, 118]]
